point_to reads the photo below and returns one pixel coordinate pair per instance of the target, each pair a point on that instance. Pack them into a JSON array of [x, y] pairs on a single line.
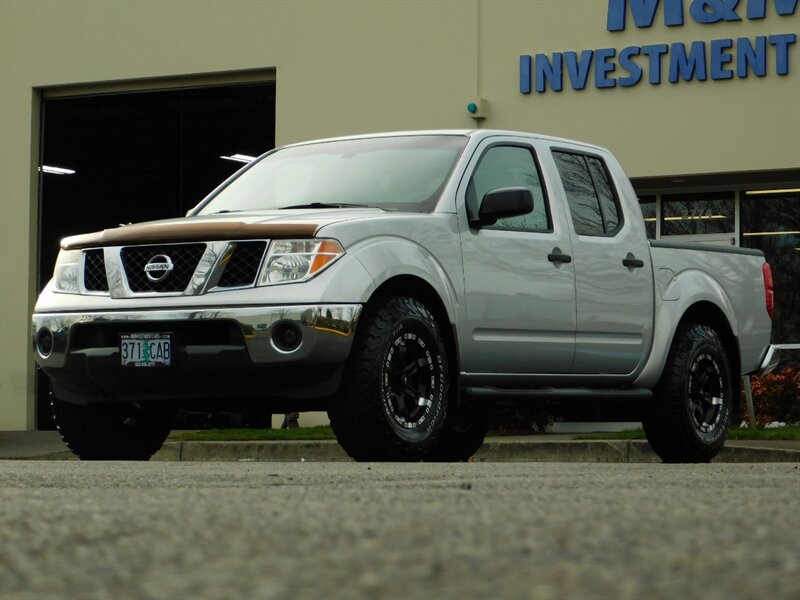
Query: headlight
[[292, 261], [67, 271]]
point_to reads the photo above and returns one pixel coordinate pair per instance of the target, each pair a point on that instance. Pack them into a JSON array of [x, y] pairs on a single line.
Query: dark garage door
[[135, 157]]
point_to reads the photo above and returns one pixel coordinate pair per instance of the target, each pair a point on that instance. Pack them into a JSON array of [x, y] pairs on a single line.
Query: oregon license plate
[[145, 349]]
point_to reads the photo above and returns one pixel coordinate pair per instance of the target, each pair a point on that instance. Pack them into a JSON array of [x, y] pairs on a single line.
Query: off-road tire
[[392, 404], [110, 431], [463, 434], [688, 419]]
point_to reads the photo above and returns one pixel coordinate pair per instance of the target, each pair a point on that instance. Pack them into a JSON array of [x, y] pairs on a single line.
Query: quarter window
[[503, 167], [590, 194]]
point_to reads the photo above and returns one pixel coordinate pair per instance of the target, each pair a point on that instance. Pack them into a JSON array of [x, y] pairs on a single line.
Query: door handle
[[556, 256], [632, 262]]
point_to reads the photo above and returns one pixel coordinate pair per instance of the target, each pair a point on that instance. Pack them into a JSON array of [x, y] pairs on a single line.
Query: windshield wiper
[[226, 211], [327, 205]]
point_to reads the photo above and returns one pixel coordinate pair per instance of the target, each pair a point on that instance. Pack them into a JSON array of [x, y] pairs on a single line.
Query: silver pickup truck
[[404, 283]]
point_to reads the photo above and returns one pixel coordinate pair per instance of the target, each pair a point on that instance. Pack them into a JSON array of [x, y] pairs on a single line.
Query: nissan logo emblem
[[158, 267]]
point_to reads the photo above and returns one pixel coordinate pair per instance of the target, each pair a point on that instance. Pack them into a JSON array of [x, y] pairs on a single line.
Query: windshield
[[393, 173]]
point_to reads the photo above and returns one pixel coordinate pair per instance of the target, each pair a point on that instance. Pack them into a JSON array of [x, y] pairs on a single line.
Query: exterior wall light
[[476, 108]]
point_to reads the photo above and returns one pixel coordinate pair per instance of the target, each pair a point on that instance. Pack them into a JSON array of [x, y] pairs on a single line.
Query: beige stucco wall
[[689, 127], [348, 67]]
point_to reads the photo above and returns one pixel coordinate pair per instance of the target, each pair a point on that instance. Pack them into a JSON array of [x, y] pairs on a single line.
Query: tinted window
[[503, 167], [590, 194], [648, 204], [583, 203], [605, 193]]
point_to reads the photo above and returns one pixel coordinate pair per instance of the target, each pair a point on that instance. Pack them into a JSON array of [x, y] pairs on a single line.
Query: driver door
[[520, 287]]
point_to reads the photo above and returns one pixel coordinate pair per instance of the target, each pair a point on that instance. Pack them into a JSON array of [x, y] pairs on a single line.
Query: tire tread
[[667, 423], [356, 416], [97, 432]]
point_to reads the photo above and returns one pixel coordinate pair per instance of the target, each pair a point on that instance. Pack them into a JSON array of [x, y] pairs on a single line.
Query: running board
[[559, 394], [570, 404]]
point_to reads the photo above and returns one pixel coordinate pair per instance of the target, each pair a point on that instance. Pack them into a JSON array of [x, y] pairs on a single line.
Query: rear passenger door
[[519, 304], [613, 273]]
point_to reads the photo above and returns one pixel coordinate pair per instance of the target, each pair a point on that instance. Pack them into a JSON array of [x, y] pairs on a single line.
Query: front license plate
[[145, 349]]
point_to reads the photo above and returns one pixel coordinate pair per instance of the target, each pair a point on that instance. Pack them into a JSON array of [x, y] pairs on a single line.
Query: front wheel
[[689, 417], [393, 401], [463, 434], [110, 431]]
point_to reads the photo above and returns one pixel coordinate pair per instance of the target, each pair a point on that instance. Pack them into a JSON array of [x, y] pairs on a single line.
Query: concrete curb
[[494, 450], [47, 445], [624, 451], [292, 451]]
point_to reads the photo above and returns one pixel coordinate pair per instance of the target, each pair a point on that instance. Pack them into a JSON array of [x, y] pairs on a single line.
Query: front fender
[[386, 257]]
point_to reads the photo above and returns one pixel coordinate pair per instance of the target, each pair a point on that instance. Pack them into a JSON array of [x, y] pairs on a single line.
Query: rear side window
[[590, 194], [509, 166]]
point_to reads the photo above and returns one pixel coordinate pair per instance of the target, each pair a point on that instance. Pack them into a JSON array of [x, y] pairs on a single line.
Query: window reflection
[[590, 195], [692, 214], [503, 167], [648, 204], [771, 223]]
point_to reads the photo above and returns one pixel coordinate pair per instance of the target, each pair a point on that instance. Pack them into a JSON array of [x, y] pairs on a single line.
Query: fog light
[[286, 336], [44, 342]]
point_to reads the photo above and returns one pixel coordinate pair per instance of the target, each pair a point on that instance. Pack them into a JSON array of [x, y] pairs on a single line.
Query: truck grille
[[242, 266], [94, 271], [184, 258]]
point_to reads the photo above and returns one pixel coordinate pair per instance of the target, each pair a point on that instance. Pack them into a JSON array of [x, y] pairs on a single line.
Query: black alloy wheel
[[393, 401], [410, 377], [688, 419], [463, 433], [706, 393]]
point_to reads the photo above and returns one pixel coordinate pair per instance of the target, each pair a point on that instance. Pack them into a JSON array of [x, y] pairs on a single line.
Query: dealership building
[[124, 111]]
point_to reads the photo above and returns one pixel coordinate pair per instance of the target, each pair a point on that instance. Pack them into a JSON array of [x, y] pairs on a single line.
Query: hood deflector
[[189, 232]]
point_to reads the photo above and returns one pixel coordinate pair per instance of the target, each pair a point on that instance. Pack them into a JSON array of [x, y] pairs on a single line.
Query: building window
[[698, 214], [648, 204], [771, 223]]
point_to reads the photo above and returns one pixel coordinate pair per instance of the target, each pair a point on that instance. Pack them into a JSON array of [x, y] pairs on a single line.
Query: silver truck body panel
[[614, 302], [732, 283], [518, 314], [402, 244]]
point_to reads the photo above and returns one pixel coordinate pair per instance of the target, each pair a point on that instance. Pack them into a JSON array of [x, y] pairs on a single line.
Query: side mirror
[[504, 202]]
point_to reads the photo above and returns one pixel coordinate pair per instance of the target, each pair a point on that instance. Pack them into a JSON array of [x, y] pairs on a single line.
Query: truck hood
[[273, 224]]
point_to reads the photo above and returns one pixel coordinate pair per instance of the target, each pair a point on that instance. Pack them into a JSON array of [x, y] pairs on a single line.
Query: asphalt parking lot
[[346, 530]]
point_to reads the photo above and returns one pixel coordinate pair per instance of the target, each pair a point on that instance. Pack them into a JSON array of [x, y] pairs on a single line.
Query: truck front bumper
[[235, 352]]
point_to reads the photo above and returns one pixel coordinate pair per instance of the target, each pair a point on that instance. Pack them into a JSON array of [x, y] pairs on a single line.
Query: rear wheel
[[110, 431], [689, 417], [393, 401]]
